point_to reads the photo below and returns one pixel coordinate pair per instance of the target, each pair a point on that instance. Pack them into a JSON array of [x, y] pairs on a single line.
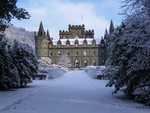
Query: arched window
[[59, 53], [68, 53], [76, 43], [50, 53], [50, 43], [85, 43], [94, 53], [68, 43], [59, 43], [85, 63], [84, 53], [94, 63], [94, 43], [76, 53], [76, 63]]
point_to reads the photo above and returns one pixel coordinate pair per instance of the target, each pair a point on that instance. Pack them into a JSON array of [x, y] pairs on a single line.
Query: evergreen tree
[[131, 51], [8, 11], [9, 77], [25, 61]]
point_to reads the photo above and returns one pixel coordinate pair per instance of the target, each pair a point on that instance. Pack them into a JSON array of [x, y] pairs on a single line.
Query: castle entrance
[[77, 63]]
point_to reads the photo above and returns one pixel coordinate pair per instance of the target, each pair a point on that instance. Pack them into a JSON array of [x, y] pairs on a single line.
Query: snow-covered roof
[[72, 41]]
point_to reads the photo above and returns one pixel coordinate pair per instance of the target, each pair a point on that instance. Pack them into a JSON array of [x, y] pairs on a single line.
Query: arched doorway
[[76, 63], [85, 63], [94, 63]]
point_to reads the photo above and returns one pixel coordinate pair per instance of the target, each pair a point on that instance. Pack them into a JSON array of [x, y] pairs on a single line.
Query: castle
[[78, 44]]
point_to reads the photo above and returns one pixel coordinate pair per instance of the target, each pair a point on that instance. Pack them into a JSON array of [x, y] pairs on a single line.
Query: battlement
[[76, 26], [90, 31], [63, 32], [76, 30]]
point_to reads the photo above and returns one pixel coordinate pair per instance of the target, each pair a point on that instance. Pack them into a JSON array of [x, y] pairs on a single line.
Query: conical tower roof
[[41, 29], [106, 32], [48, 35], [111, 28], [106, 35]]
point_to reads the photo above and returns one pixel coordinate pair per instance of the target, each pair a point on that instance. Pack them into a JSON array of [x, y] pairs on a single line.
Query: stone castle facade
[[78, 44]]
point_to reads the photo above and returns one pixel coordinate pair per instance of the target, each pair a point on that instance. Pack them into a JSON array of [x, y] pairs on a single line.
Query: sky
[[58, 14]]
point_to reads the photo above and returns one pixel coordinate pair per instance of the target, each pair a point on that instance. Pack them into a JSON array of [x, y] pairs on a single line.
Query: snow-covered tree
[[44, 62], [25, 61], [21, 35], [64, 61], [9, 77], [131, 51]]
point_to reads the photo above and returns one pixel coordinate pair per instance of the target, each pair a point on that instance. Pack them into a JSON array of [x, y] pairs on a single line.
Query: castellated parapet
[[76, 31]]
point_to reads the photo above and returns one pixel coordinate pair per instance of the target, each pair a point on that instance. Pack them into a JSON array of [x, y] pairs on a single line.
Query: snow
[[72, 41], [74, 92], [94, 71], [21, 35], [51, 70]]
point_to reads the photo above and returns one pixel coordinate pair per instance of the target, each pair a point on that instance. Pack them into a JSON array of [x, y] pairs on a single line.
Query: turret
[[48, 35], [111, 28], [41, 31], [106, 35]]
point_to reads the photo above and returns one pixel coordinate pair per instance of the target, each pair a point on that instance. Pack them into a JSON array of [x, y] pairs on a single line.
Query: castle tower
[[42, 42], [111, 28], [48, 35], [41, 31], [106, 35]]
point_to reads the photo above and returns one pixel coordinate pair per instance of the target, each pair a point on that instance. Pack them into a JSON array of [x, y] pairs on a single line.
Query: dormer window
[[85, 43], [94, 43], [68, 43], [59, 43], [76, 43]]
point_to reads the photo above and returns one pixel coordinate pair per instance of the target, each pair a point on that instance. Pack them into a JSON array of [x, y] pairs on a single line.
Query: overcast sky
[[58, 14]]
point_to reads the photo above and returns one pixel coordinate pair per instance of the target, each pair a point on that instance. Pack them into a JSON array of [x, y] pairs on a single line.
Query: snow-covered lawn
[[75, 92]]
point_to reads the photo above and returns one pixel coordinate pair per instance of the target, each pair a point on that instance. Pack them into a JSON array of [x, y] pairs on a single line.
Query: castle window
[[76, 54], [59, 53], [68, 53], [67, 43], [84, 53], [84, 45], [94, 63], [102, 52], [85, 63], [50, 53], [94, 53], [59, 43], [103, 62], [94, 45], [76, 45]]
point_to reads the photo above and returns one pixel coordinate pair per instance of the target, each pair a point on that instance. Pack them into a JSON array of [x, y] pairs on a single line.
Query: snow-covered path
[[75, 92]]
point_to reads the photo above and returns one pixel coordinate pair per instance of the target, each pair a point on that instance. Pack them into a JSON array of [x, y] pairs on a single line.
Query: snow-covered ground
[[75, 92]]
